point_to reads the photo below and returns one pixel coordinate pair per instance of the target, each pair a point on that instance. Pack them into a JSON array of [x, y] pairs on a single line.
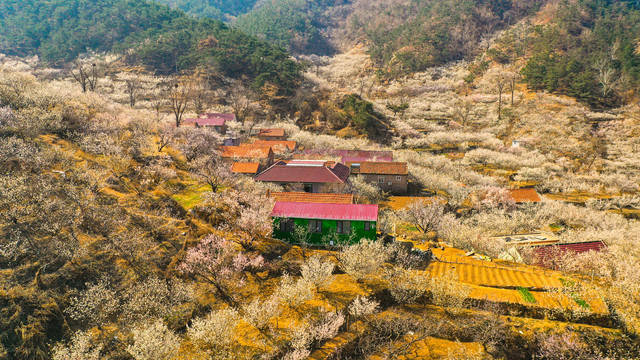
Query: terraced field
[[498, 281], [494, 276]]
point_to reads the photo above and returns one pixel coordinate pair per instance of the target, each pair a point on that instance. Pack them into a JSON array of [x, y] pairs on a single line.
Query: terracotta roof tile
[[271, 132], [382, 168], [313, 198], [275, 144], [524, 195], [245, 168], [246, 151]]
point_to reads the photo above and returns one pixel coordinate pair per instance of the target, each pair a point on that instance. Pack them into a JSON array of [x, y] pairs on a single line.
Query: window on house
[[380, 179], [398, 178], [315, 226], [286, 225], [343, 227], [367, 226], [308, 188]]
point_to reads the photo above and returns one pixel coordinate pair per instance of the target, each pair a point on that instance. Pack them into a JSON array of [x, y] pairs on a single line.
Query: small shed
[[245, 168], [346, 222], [272, 134], [524, 195]]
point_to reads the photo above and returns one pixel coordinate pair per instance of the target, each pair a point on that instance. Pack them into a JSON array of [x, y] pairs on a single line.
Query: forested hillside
[[214, 9], [302, 26], [165, 41]]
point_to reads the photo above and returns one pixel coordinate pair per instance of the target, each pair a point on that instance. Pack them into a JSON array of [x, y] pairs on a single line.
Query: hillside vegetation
[[163, 40], [214, 9], [125, 234]]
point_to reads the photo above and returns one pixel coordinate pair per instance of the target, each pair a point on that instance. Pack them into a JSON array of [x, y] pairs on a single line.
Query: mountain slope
[[214, 9], [164, 40]]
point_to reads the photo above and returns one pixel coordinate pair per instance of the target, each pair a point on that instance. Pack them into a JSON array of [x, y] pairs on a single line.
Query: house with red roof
[[217, 122], [549, 256], [310, 175], [388, 176], [325, 223]]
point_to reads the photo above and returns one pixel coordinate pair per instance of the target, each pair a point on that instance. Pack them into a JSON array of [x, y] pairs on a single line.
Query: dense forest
[[214, 9], [300, 25], [589, 52], [163, 40]]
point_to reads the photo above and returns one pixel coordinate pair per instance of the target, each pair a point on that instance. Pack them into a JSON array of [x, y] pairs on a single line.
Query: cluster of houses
[[312, 203]]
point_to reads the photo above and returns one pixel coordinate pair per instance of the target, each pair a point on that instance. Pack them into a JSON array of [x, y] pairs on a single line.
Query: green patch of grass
[[527, 296], [580, 301], [567, 282], [192, 196]]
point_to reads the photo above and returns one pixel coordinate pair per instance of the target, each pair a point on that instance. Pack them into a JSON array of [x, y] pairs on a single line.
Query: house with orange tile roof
[[278, 146], [272, 134], [388, 176], [245, 168], [312, 198], [247, 153], [524, 195]]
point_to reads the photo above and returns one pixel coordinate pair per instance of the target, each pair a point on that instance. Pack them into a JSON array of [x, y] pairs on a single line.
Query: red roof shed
[[292, 173], [361, 212], [549, 253]]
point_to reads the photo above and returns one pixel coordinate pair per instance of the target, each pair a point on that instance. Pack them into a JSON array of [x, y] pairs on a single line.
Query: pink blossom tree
[[217, 261]]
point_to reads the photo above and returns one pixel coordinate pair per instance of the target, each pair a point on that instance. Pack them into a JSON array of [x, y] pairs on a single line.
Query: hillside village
[[451, 180], [379, 250]]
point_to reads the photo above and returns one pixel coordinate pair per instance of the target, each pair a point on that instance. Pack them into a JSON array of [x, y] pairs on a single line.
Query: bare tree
[[166, 135], [132, 86], [179, 96], [512, 81], [211, 170], [463, 110], [200, 96], [85, 72], [606, 76], [240, 98], [498, 78]]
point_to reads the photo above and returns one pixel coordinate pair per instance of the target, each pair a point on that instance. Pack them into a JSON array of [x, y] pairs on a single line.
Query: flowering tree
[[317, 272], [407, 286], [245, 211], [154, 298], [79, 348], [217, 261], [215, 332], [294, 292], [154, 342], [425, 215], [96, 304], [363, 259], [211, 170], [363, 306], [260, 313], [493, 197]]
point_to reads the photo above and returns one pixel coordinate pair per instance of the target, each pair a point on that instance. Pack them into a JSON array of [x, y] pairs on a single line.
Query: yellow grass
[[192, 196]]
